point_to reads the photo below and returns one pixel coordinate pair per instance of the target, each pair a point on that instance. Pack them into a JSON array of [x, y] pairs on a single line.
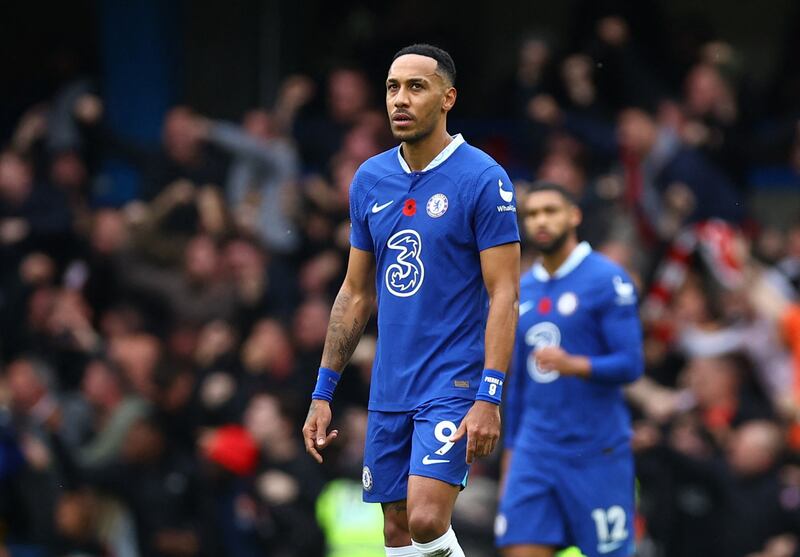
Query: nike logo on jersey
[[378, 208], [507, 196], [428, 460]]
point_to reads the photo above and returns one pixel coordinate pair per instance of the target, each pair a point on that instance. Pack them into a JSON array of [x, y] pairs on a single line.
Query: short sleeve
[[359, 230], [495, 211]]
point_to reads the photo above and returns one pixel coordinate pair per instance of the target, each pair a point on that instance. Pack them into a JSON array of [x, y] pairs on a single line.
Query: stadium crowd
[[157, 354]]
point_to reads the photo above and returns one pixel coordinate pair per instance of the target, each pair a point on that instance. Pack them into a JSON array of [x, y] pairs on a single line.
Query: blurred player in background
[[434, 236], [570, 477]]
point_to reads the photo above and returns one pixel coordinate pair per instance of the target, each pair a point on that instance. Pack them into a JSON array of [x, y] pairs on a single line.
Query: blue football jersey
[[588, 307], [426, 230]]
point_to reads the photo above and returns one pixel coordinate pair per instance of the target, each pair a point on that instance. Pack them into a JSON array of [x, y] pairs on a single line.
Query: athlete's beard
[[553, 245], [414, 137]]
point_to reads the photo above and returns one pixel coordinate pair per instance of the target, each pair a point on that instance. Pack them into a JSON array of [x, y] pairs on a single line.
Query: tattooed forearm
[[349, 341], [344, 331]]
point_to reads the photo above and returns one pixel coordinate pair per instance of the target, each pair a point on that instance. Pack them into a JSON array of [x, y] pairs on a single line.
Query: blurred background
[[173, 228]]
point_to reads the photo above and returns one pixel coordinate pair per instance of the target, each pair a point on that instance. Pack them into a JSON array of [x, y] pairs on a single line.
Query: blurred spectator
[[115, 411], [264, 285], [533, 74], [347, 99], [89, 524], [267, 359], [33, 491], [287, 484], [137, 354], [262, 178], [182, 154], [195, 293], [32, 216], [309, 327], [734, 506], [160, 485], [713, 119], [666, 183], [603, 218]]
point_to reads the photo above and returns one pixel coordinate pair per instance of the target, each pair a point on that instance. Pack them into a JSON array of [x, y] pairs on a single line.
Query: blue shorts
[[416, 443], [587, 502]]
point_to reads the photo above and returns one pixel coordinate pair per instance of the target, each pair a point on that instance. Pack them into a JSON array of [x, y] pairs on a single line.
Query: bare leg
[[430, 507], [395, 524]]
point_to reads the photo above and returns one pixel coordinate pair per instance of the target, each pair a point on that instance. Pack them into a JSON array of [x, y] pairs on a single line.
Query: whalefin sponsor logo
[[505, 195], [626, 292]]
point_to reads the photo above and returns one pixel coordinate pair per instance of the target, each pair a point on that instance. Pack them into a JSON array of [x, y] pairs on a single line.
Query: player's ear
[[449, 99], [576, 216]]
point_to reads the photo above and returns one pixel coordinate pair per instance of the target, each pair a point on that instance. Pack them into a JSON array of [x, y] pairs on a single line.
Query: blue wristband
[[491, 387], [326, 384]]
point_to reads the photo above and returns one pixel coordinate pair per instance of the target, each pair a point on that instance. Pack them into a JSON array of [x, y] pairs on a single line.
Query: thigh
[[530, 513], [432, 453], [598, 496], [430, 497], [386, 456]]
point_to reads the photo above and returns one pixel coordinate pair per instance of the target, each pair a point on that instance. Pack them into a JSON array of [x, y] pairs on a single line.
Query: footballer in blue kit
[[570, 475], [434, 240]]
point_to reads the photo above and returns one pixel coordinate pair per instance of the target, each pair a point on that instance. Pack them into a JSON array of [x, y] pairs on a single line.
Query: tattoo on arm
[[342, 337]]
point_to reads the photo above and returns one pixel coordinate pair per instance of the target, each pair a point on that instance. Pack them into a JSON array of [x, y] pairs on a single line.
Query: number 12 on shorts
[[611, 528]]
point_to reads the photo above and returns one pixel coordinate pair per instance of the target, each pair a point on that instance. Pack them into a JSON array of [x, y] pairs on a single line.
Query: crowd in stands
[[157, 355]]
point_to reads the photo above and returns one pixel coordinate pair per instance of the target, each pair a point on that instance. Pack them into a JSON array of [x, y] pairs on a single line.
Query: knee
[[395, 532], [427, 524]]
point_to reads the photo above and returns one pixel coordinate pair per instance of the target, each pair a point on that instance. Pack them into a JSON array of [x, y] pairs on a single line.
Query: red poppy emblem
[[545, 305], [410, 208]]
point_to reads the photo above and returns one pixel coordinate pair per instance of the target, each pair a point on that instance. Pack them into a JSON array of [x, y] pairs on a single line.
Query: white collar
[[574, 259], [458, 140]]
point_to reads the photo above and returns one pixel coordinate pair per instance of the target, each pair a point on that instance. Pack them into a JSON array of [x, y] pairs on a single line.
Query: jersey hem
[[410, 407], [499, 242], [362, 248], [439, 477]]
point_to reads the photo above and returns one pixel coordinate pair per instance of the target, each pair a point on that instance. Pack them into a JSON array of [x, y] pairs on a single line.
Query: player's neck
[[553, 261], [419, 154]]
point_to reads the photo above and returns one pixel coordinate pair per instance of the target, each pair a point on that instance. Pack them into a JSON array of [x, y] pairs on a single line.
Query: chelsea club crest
[[366, 478], [437, 205]]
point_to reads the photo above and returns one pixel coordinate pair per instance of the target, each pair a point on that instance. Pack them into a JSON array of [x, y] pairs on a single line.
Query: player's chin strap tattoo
[[344, 332]]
